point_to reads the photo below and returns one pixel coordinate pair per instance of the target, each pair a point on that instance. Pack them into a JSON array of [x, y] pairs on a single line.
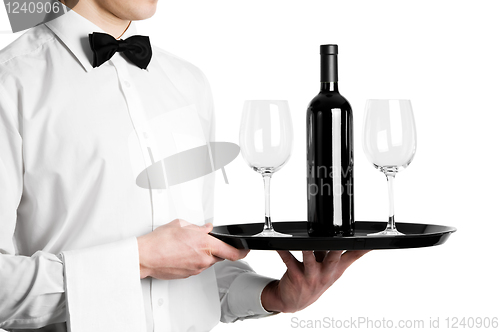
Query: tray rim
[[356, 242], [450, 229]]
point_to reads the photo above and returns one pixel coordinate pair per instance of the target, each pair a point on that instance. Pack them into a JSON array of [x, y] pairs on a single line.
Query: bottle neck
[[329, 68], [329, 87]]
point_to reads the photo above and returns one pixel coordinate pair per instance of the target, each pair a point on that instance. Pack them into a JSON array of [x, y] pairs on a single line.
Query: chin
[[139, 10], [142, 15]]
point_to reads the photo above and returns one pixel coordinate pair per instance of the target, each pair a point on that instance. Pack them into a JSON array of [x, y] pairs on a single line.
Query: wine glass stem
[[391, 224], [267, 183]]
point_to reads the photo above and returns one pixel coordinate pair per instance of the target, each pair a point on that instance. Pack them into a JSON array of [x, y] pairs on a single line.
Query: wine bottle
[[330, 186]]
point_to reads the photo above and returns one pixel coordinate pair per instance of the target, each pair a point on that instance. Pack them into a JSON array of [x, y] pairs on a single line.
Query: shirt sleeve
[[240, 290], [31, 291], [31, 288], [103, 288], [93, 289]]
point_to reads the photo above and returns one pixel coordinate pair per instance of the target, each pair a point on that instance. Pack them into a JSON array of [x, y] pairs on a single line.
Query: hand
[[303, 283], [179, 249]]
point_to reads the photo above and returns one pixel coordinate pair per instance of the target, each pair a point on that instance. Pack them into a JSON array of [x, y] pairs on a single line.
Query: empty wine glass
[[266, 136], [389, 142]]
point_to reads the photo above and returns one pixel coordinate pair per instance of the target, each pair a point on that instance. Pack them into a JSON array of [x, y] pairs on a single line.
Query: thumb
[[208, 227]]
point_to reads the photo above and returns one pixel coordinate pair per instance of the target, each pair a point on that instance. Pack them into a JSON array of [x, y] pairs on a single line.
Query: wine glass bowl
[[389, 143], [390, 134], [266, 134], [266, 137]]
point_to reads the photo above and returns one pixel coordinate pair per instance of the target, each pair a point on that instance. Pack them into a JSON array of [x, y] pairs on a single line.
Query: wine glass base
[[272, 233], [387, 232]]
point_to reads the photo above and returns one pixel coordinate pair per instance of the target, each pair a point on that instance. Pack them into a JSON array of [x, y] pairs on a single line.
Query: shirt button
[[126, 83], [160, 302]]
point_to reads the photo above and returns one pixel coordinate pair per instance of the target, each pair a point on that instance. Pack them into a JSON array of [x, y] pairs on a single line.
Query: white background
[[444, 56]]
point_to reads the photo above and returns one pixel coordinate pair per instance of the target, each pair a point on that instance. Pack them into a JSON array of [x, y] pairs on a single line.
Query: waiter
[[86, 105]]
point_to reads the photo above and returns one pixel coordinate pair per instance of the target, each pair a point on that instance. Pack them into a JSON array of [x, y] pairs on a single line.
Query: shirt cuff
[[244, 295], [103, 288]]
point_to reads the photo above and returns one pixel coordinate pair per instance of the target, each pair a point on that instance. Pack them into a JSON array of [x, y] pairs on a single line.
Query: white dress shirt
[[73, 140]]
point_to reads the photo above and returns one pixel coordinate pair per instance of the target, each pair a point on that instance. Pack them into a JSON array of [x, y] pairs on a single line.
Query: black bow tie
[[136, 48]]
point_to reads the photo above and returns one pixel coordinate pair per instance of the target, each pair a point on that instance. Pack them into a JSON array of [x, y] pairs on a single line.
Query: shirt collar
[[73, 30]]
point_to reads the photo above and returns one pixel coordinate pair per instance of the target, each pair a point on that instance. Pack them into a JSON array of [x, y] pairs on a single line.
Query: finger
[[181, 223], [332, 258], [211, 261], [214, 258], [208, 227], [244, 253], [224, 250], [308, 259], [290, 261], [184, 223], [217, 259], [348, 258], [320, 255]]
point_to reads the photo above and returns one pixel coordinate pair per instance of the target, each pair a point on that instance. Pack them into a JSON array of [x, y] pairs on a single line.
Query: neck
[[100, 16], [330, 86]]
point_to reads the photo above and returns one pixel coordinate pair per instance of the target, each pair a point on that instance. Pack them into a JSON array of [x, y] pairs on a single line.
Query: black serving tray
[[416, 236]]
